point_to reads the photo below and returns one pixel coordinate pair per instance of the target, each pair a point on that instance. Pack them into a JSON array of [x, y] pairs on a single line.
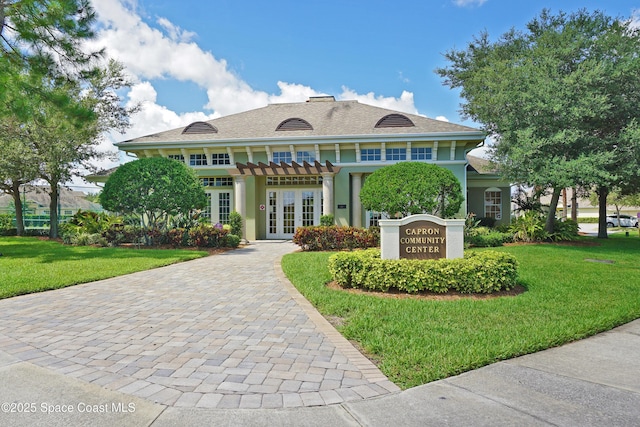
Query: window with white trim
[[373, 218], [178, 157], [217, 182], [197, 160], [305, 156], [493, 203], [420, 153], [294, 180], [220, 159], [282, 156], [370, 155], [396, 154]]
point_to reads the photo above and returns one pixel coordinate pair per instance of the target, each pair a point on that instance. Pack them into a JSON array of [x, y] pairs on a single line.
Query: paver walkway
[[226, 331]]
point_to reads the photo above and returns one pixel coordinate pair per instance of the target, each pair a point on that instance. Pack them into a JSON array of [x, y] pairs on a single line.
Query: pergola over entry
[[326, 170], [282, 168]]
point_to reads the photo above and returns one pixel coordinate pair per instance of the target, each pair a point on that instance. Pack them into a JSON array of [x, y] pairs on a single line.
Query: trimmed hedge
[[490, 239], [335, 238], [477, 272], [588, 220]]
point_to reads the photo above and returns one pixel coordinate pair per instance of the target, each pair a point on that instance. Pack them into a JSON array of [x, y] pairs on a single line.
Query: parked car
[[625, 221]]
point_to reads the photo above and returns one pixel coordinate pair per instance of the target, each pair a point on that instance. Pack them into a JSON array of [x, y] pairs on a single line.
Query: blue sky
[[195, 60], [379, 46]]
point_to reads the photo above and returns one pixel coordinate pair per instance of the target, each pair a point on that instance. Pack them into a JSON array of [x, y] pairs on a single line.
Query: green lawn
[[31, 265], [418, 341]]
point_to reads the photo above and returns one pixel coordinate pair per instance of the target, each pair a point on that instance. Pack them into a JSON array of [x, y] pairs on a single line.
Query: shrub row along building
[[285, 165]]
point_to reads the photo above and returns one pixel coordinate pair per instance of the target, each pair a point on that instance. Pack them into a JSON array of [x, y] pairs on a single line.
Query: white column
[[185, 154], [239, 185], [327, 193], [356, 206]]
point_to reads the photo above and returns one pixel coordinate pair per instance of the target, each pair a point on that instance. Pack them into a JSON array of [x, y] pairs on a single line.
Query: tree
[[155, 189], [65, 144], [618, 200], [44, 38], [64, 98], [561, 100], [411, 188], [18, 165]]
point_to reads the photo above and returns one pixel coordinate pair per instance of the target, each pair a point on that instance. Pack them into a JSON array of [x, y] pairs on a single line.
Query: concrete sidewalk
[[64, 361]]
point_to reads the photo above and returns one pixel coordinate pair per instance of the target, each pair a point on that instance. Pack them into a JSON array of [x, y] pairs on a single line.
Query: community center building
[[284, 165]]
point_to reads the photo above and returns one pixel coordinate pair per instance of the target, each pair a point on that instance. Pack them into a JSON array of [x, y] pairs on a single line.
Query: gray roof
[[39, 195], [327, 118], [481, 165]]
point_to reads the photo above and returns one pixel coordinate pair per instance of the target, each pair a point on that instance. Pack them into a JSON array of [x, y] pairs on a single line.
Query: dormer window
[[294, 124], [394, 121], [199, 128]]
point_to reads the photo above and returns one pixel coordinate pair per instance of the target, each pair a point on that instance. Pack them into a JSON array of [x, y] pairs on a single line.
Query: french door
[[219, 206], [290, 209]]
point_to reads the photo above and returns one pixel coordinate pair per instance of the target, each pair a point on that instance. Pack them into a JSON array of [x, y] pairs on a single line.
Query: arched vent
[[394, 121], [294, 124], [199, 128]]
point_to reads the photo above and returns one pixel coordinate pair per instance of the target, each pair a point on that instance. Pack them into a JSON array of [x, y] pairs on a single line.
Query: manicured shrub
[[322, 238], [412, 188], [231, 241], [327, 220], [235, 221], [6, 222], [177, 237], [589, 220], [118, 234], [478, 272], [490, 239], [207, 236]]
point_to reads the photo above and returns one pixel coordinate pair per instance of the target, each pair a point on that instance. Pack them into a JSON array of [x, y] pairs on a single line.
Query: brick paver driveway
[[224, 331]]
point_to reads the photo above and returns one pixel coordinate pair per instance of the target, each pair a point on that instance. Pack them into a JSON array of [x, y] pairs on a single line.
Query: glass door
[[290, 209]]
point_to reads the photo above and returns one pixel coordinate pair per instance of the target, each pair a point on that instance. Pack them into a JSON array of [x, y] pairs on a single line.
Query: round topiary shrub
[[409, 188]]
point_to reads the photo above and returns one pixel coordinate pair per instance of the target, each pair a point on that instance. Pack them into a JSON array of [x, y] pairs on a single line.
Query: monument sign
[[421, 237]]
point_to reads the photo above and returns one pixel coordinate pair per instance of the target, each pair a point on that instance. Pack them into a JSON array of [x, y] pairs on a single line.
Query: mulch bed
[[425, 295]]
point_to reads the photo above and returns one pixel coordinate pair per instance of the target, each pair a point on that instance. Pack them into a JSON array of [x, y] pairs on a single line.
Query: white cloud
[[635, 19], [154, 118], [469, 3], [442, 119], [404, 103], [174, 32], [148, 53]]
